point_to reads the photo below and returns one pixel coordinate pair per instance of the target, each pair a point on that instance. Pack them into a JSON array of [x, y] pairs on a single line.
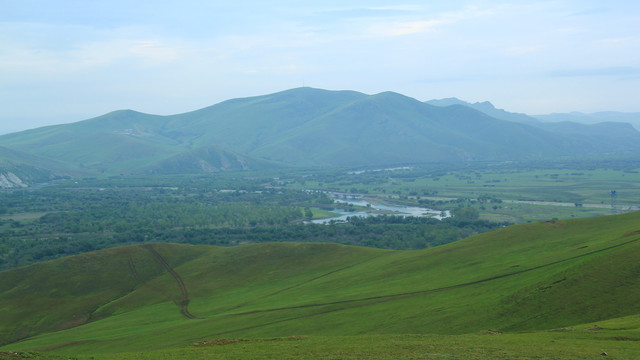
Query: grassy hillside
[[531, 276], [616, 338], [613, 339]]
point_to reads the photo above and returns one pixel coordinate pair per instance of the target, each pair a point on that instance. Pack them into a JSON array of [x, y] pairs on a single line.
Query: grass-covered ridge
[[526, 277]]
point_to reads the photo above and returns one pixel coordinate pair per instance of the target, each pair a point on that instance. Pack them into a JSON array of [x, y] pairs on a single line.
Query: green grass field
[[617, 338], [567, 185], [589, 341], [580, 343], [523, 212], [163, 297]]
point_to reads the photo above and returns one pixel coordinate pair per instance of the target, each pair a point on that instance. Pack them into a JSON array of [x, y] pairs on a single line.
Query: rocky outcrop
[[10, 180]]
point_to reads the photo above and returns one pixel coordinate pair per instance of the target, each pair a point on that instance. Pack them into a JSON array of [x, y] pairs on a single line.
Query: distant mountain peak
[[455, 101], [486, 103], [447, 102]]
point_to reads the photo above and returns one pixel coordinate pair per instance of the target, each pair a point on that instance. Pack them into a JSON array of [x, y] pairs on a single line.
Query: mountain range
[[574, 118], [597, 128], [307, 127], [593, 118]]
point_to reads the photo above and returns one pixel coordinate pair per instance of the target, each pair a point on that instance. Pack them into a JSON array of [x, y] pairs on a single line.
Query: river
[[380, 209]]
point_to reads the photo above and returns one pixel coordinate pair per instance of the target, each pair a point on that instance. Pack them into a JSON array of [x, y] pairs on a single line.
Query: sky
[[69, 60]]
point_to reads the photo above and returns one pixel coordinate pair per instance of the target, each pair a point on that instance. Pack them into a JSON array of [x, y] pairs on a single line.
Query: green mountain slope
[[389, 128], [531, 276], [243, 124], [19, 169], [120, 141], [206, 159], [305, 127], [603, 133]]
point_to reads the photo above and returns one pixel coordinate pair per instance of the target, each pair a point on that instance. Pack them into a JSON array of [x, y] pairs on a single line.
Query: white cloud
[[523, 50], [618, 72], [400, 28], [616, 40], [154, 51], [146, 52], [32, 57]]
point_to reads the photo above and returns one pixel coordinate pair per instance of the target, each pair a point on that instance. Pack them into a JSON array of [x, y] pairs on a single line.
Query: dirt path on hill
[[183, 301], [163, 292], [304, 282]]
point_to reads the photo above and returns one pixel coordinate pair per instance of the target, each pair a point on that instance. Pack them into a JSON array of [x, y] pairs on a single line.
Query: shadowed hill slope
[[531, 276]]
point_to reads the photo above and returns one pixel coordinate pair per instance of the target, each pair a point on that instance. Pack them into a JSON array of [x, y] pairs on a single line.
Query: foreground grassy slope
[[531, 276], [617, 338]]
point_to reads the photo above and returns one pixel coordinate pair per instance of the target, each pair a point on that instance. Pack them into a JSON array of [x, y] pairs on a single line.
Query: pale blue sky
[[64, 61]]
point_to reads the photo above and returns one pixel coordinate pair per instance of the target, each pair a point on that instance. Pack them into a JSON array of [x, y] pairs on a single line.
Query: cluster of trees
[[387, 232], [162, 216], [92, 214]]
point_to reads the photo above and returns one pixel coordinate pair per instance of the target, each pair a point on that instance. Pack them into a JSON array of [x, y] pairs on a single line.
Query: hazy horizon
[[68, 61]]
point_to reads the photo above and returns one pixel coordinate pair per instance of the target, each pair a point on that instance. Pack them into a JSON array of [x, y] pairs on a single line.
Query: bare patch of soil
[[234, 341]]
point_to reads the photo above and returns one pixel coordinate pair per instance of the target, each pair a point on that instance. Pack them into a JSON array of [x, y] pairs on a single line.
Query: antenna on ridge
[[614, 195]]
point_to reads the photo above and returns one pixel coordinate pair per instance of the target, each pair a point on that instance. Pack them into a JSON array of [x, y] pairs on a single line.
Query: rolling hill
[[306, 127], [526, 277]]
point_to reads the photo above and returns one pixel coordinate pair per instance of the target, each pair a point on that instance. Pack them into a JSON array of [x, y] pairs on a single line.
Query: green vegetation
[[238, 208], [537, 276], [87, 215]]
